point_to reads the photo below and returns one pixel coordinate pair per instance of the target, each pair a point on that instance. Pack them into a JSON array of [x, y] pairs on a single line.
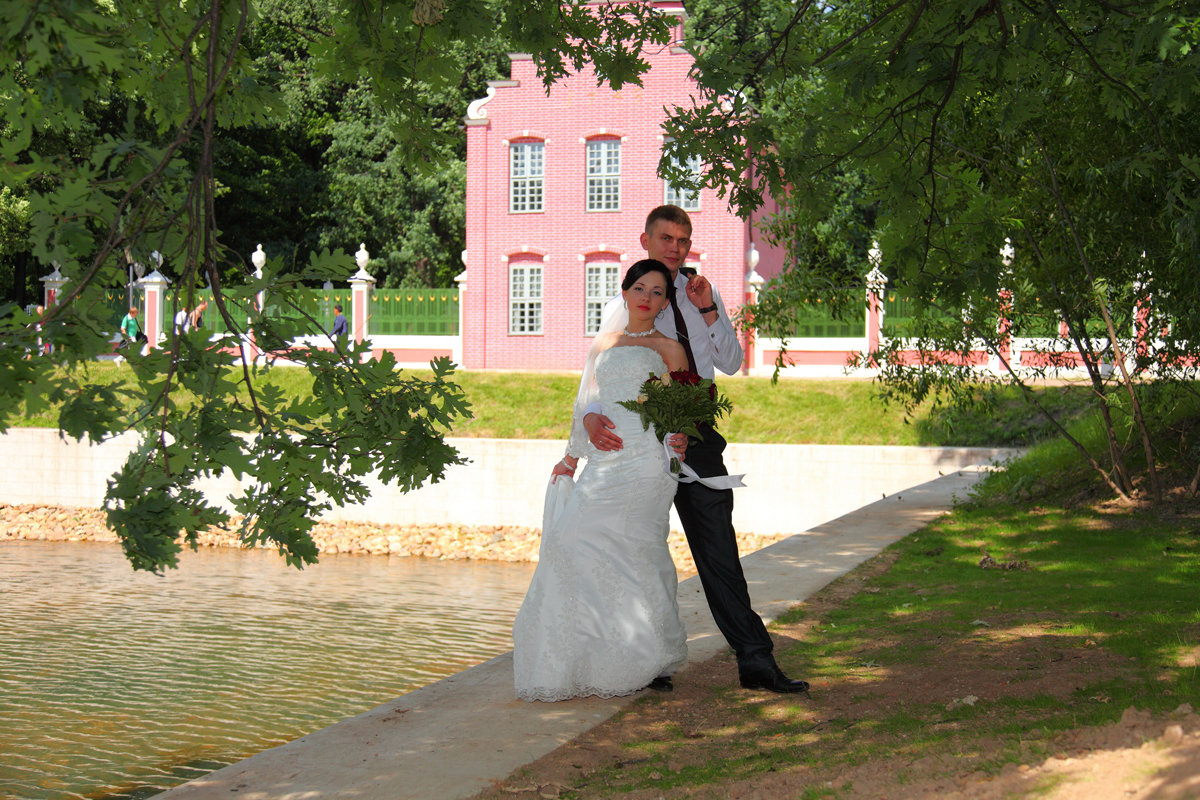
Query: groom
[[707, 335]]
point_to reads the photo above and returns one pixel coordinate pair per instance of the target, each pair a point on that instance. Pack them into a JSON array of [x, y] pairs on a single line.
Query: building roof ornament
[[476, 109]]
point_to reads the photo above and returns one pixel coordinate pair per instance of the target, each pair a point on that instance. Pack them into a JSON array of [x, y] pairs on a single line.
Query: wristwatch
[[707, 309]]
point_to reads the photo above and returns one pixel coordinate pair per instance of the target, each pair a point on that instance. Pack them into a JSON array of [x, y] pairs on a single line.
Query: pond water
[[116, 684]]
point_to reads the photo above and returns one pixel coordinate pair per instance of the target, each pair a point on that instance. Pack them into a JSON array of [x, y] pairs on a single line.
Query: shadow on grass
[[930, 671]]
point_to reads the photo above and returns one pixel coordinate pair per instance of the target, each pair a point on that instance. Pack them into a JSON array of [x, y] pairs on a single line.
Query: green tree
[[14, 236], [1066, 127], [184, 76], [331, 168]]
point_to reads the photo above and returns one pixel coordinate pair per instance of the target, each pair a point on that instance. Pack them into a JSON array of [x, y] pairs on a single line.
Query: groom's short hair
[[669, 213]]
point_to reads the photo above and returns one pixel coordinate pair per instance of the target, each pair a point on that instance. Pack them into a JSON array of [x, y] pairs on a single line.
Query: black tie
[[681, 331]]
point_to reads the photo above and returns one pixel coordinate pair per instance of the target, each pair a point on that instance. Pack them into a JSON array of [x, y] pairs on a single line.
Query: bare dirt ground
[[1142, 756]]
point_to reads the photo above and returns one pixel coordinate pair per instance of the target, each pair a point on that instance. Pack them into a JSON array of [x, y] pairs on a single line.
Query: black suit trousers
[[707, 517]]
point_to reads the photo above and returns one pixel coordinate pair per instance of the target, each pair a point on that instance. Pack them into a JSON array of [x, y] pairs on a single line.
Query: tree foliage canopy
[[123, 116], [943, 129]]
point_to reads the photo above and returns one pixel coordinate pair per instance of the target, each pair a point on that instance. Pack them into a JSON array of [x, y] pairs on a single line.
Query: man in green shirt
[[130, 330]]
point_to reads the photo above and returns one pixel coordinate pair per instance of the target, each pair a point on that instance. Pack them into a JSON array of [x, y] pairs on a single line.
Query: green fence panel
[[817, 321], [899, 317], [309, 305], [414, 312], [899, 314], [238, 304], [116, 306], [394, 312], [1037, 328]]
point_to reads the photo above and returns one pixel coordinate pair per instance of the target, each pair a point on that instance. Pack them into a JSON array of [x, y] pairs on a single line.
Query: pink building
[[558, 188]]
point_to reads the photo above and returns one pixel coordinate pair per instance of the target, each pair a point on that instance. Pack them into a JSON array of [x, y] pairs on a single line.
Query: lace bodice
[[620, 373]]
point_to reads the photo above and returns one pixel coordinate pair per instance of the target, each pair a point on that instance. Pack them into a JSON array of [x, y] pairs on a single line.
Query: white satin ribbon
[[688, 475]]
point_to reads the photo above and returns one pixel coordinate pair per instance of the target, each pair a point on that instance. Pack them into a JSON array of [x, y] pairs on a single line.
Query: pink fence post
[[461, 280], [52, 286], [360, 295], [250, 343], [154, 286], [876, 285], [754, 284], [1142, 336], [1004, 348]]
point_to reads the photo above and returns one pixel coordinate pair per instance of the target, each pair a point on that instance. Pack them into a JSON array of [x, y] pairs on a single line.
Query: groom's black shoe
[[661, 684], [771, 678]]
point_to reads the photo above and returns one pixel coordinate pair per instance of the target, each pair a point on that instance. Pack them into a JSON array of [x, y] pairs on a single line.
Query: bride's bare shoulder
[[604, 341], [672, 354]]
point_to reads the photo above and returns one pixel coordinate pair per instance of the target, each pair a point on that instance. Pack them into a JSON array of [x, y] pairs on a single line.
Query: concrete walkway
[[453, 738]]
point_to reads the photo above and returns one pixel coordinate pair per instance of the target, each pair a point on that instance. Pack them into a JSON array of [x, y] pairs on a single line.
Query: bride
[[601, 617]]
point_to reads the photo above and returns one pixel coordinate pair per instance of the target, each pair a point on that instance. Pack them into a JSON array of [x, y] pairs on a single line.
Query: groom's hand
[[599, 430], [700, 292]]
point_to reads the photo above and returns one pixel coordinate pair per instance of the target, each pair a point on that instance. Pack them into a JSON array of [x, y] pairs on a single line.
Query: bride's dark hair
[[645, 266]]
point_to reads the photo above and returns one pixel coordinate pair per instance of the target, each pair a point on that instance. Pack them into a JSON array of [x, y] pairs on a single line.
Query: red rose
[[686, 377]]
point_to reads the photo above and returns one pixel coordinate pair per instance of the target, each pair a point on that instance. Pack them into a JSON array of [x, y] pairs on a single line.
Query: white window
[[526, 170], [525, 297], [604, 175], [687, 199], [601, 281]]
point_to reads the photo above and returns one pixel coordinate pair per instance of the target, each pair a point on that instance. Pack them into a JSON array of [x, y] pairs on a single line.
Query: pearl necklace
[[633, 335]]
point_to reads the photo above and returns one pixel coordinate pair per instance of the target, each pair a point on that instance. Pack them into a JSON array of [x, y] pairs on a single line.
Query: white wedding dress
[[601, 617]]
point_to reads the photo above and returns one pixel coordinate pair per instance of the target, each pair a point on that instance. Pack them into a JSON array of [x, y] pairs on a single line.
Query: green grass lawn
[[1095, 613], [1107, 607], [522, 405]]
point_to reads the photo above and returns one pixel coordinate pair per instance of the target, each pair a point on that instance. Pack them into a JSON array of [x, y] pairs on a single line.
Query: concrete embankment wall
[[789, 488]]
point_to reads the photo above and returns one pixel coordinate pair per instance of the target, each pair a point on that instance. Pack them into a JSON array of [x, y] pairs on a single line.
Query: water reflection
[[120, 684]]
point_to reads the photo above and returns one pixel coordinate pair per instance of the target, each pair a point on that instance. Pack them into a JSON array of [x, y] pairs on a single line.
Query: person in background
[[131, 331], [341, 328], [186, 321], [196, 318]]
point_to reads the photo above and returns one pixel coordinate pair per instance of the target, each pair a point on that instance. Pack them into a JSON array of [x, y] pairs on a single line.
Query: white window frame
[[689, 201], [601, 281], [526, 177], [525, 298], [603, 157]]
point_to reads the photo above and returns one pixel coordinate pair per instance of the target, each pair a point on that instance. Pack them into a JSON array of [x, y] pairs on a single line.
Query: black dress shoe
[[661, 684], [770, 678]]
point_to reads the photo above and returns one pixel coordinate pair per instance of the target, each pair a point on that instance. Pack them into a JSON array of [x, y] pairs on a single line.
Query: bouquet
[[678, 402]]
